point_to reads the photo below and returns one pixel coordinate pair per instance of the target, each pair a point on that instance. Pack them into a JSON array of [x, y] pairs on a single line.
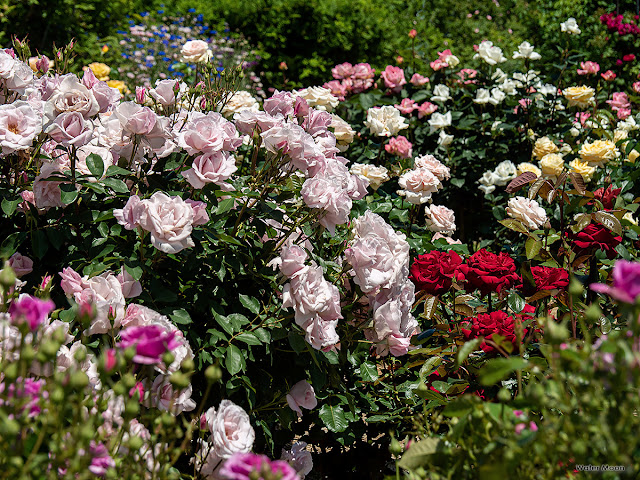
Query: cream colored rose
[[239, 101], [552, 164], [195, 51], [633, 155], [376, 175], [579, 96], [385, 121], [528, 167], [620, 135], [544, 146], [629, 218], [343, 132], [583, 168], [529, 212], [440, 219], [598, 152], [319, 98]]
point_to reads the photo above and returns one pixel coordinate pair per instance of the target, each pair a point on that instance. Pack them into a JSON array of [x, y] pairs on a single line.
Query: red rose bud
[[629, 57], [139, 389], [606, 197], [434, 272], [413, 33]]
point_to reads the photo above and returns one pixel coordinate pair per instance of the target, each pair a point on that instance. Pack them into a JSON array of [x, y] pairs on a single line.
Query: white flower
[[489, 53], [508, 86], [376, 175], [444, 139], [343, 132], [482, 96], [525, 50], [418, 185], [504, 173], [440, 219], [19, 125], [195, 51], [231, 430], [570, 26], [497, 96], [487, 182], [630, 218], [441, 93], [529, 212], [319, 97], [434, 165], [439, 120], [499, 76], [385, 121], [525, 79], [239, 101], [629, 124]]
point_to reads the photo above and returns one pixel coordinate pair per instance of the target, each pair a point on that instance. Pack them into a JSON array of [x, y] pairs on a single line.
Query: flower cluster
[[350, 79]]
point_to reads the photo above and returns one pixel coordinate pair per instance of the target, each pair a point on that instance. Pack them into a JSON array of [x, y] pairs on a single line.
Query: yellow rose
[[552, 164], [598, 152], [633, 155], [579, 96], [119, 84], [544, 146], [620, 135], [583, 168], [100, 70], [629, 217], [528, 167]]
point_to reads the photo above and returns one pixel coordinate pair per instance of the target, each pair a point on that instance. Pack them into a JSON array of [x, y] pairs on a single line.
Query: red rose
[[595, 237], [433, 272], [607, 197], [485, 325], [489, 272], [549, 278]]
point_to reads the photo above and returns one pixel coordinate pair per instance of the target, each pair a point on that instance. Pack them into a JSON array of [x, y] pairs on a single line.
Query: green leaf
[[95, 165], [225, 205], [368, 372], [498, 369], [135, 272], [39, 243], [419, 453], [181, 317], [248, 338], [68, 193], [9, 206], [297, 342], [459, 407], [234, 361], [228, 239], [532, 247], [465, 350], [333, 418], [11, 243], [430, 366], [458, 182], [513, 224], [115, 170], [116, 185], [237, 320], [516, 303], [250, 303]]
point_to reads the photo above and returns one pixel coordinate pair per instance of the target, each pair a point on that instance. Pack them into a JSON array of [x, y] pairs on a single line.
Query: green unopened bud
[[11, 372], [16, 462], [57, 396], [575, 287], [555, 332], [129, 381], [593, 313], [129, 353], [422, 390], [132, 407], [7, 276], [395, 447], [78, 380], [80, 355], [168, 358], [49, 348], [213, 373], [179, 380], [119, 388], [135, 443], [254, 475], [9, 428], [167, 419], [504, 395], [187, 365]]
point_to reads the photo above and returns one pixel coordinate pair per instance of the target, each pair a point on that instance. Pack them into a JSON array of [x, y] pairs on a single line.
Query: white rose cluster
[[385, 121], [500, 176]]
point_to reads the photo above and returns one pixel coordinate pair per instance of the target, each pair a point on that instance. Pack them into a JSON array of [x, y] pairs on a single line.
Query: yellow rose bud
[[552, 164], [100, 70], [583, 168], [598, 152], [580, 97], [633, 155]]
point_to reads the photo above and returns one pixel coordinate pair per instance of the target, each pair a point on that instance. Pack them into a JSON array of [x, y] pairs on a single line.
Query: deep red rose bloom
[[433, 272], [607, 197], [485, 325], [549, 278], [489, 272], [595, 237]]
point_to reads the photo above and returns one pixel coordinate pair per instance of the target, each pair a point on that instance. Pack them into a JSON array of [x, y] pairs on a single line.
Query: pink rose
[[208, 133], [280, 103], [418, 80], [47, 193], [608, 75], [30, 310], [434, 165], [200, 215], [213, 167], [399, 146], [440, 219], [323, 193], [129, 215], [71, 128], [344, 70], [135, 118], [72, 282], [393, 78], [130, 287], [106, 96], [588, 68], [619, 100], [231, 430], [165, 92], [166, 398], [19, 125], [21, 265], [636, 87], [151, 342], [406, 106], [363, 71], [292, 260], [427, 108], [170, 221], [302, 395]]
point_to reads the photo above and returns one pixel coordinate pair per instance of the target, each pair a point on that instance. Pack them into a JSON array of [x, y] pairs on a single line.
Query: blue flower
[[151, 50], [166, 59], [160, 12], [191, 10], [151, 40]]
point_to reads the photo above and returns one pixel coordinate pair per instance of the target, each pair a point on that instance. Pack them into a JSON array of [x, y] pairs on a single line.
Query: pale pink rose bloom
[[247, 121], [440, 219], [27, 199], [105, 293], [214, 167], [619, 101], [438, 64], [165, 397], [280, 103], [392, 322], [130, 287], [608, 75], [292, 261], [418, 185], [89, 78], [169, 220], [21, 264], [449, 240], [302, 395], [434, 165], [316, 123], [106, 96], [321, 334], [323, 193], [136, 119], [427, 108], [129, 215], [337, 88], [636, 87], [363, 71], [231, 430], [418, 80], [398, 346], [208, 133], [195, 51], [70, 95], [165, 92], [19, 125], [399, 146], [393, 78], [71, 128], [406, 106], [72, 282], [344, 70], [529, 212], [299, 458], [46, 194], [200, 215], [623, 113], [301, 148], [588, 68]]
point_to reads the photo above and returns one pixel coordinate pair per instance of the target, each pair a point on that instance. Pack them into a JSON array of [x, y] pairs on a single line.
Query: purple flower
[[241, 465], [151, 342], [626, 282], [31, 310], [101, 461]]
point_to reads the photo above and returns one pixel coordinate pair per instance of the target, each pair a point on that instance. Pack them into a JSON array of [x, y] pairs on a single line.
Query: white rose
[[434, 165], [19, 125], [231, 430], [441, 93], [444, 139], [529, 212], [170, 221], [376, 175], [570, 26], [489, 53], [71, 96], [508, 86], [239, 101], [497, 96], [195, 51], [164, 397], [482, 96], [319, 97], [418, 185], [504, 173], [440, 219], [385, 121], [525, 50], [438, 121], [343, 132]]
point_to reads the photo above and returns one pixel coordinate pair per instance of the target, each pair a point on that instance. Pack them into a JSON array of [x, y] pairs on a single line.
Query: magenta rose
[[247, 466], [30, 310], [150, 341], [393, 78], [626, 282]]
